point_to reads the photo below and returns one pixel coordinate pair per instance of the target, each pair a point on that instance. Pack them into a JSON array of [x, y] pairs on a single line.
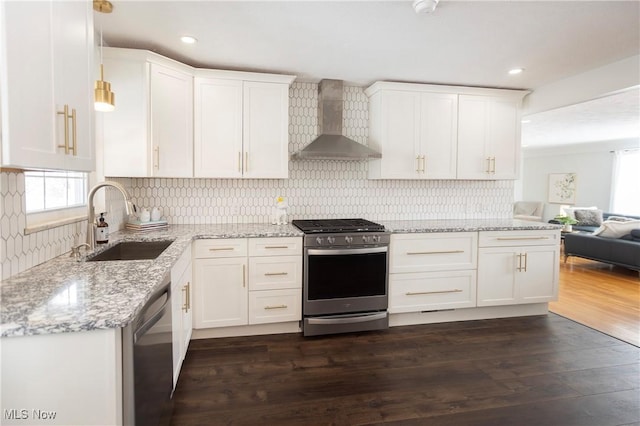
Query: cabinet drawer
[[519, 238], [224, 247], [272, 273], [275, 306], [430, 291], [286, 246], [445, 251]]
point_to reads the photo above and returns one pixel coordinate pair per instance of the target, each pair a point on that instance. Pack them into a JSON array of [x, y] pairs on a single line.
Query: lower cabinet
[[247, 281], [181, 313], [432, 271], [516, 267]]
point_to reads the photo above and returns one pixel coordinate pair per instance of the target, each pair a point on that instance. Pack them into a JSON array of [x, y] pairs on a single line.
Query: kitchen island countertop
[[63, 295], [465, 225]]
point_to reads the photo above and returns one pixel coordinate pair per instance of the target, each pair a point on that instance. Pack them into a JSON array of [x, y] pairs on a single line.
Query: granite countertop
[[63, 295], [465, 225]]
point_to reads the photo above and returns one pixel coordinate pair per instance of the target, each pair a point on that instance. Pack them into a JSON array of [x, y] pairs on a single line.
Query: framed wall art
[[562, 188]]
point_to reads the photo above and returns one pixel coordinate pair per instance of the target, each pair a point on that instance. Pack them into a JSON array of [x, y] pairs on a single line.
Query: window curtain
[[625, 182]]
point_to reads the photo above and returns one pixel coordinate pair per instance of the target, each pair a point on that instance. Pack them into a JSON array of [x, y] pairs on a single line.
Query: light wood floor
[[604, 297]]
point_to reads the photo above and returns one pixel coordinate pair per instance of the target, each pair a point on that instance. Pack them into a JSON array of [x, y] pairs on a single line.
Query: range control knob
[[376, 238], [348, 239], [319, 241], [366, 239], [331, 240]]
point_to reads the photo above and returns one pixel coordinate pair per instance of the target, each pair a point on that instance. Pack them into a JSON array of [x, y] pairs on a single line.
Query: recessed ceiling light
[[425, 6], [188, 39], [515, 71]]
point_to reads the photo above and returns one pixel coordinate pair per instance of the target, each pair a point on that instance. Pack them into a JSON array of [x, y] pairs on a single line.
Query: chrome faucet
[[91, 213]]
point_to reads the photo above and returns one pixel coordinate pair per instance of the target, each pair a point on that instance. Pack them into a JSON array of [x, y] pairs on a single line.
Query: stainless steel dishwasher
[[147, 365]]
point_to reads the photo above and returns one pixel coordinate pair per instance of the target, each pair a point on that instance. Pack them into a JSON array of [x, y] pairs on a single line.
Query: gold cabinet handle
[[65, 114], [524, 269], [189, 294], [156, 152], [271, 274], [488, 169], [244, 276], [417, 164], [519, 267], [221, 249], [276, 247], [520, 238], [74, 133], [185, 296], [239, 162], [493, 165], [418, 293], [412, 253], [424, 164], [276, 307]]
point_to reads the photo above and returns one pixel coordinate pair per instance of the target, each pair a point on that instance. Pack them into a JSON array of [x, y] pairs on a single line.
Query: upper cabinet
[[416, 133], [241, 125], [443, 132], [172, 120], [46, 85], [150, 133], [488, 137]]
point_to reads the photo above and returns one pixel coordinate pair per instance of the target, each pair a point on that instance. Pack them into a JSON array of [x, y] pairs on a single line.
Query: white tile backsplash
[[315, 189]]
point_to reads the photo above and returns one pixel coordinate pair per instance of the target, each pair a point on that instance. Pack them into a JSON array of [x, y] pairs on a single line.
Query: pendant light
[[104, 98]]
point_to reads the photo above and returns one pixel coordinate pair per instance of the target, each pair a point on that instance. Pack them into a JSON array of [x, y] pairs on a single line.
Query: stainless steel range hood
[[331, 144]]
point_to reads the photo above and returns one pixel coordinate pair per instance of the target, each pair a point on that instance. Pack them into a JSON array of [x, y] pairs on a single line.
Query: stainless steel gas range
[[345, 270]]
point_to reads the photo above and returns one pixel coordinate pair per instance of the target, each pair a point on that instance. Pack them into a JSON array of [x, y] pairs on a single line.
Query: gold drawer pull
[[221, 249], [417, 293], [520, 238], [276, 307], [410, 253], [269, 274], [276, 247]]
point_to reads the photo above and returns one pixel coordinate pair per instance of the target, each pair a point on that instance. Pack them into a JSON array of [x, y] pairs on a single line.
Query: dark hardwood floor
[[542, 370]]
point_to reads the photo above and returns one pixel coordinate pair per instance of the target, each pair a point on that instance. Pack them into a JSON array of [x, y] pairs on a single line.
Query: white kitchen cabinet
[[516, 267], [150, 133], [432, 271], [181, 310], [47, 73], [247, 281], [415, 130], [488, 137], [221, 288], [241, 126]]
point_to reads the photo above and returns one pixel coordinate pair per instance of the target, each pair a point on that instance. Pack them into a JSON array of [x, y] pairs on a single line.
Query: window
[[54, 190], [625, 191]]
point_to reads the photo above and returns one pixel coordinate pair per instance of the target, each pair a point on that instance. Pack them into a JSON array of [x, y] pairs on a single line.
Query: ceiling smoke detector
[[425, 6]]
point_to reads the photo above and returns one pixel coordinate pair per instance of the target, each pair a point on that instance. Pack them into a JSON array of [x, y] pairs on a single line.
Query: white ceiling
[[463, 43]]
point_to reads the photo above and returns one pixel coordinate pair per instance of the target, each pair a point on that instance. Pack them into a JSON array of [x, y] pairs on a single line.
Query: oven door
[[345, 280]]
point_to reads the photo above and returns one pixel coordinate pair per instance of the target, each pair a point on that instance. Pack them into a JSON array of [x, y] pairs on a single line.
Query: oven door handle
[[348, 319], [333, 252]]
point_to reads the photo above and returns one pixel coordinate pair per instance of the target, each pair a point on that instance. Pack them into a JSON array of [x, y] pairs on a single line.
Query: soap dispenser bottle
[[102, 231]]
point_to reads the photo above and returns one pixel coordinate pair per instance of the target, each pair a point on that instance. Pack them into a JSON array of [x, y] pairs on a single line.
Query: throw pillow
[[589, 217], [614, 229], [635, 234], [620, 218], [570, 211]]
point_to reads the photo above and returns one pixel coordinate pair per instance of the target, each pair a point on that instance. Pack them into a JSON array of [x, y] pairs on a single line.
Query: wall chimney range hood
[[331, 144]]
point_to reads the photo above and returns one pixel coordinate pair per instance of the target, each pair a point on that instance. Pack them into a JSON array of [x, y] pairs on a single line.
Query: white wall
[[592, 162]]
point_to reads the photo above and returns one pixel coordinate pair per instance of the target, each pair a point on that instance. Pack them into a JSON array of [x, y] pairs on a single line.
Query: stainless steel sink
[[133, 250]]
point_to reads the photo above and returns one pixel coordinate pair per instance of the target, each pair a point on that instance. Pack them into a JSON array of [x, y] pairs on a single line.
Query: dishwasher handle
[[141, 330]]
